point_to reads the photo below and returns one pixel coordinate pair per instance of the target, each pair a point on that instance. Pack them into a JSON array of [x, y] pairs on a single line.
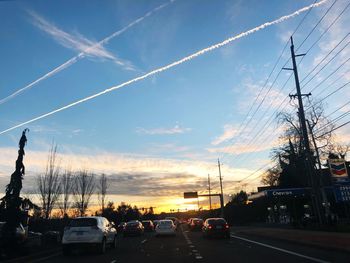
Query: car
[[174, 219], [196, 224], [133, 228], [216, 227], [155, 223], [148, 225], [165, 227], [121, 227], [94, 231]]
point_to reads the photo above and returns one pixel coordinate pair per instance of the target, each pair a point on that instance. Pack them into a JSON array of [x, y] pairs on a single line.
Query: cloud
[[77, 42], [175, 63], [230, 131], [128, 174], [163, 131]]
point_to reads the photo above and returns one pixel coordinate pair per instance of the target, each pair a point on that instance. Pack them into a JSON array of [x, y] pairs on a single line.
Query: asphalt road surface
[[192, 247]]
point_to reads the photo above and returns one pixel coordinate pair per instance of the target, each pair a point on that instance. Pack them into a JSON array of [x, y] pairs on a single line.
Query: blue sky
[[175, 122]]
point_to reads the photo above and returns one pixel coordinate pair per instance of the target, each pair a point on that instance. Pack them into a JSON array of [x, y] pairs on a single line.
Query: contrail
[[82, 54], [178, 62]]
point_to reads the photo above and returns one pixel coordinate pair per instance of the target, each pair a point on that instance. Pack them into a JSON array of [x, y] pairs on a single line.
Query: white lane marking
[[114, 261], [44, 258], [194, 250], [143, 241], [281, 249]]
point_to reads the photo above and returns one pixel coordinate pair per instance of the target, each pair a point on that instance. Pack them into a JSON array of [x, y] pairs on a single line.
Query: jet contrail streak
[[81, 55], [178, 62]]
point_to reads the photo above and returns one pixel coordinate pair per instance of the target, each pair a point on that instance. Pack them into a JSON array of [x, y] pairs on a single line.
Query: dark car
[[148, 225], [121, 227], [196, 224], [216, 227], [133, 228]]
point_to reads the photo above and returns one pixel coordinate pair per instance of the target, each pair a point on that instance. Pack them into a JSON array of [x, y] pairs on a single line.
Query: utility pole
[[209, 191], [305, 139], [222, 193], [323, 193]]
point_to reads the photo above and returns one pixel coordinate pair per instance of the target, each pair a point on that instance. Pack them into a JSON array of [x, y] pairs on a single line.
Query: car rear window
[[165, 222], [83, 222], [132, 223], [218, 221], [146, 223], [197, 220]]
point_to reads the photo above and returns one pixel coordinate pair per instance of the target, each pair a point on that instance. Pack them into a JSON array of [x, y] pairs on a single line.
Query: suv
[[89, 231]]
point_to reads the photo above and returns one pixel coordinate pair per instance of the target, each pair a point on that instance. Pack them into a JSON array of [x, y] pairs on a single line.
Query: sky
[[161, 135]]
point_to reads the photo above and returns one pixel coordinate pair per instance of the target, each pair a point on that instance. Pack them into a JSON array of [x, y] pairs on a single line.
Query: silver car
[[89, 231]]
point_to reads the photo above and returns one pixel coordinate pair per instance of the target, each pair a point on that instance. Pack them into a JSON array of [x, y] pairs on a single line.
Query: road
[[192, 247]]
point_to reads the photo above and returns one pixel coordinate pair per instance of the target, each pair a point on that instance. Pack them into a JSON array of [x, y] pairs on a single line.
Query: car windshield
[[81, 222]]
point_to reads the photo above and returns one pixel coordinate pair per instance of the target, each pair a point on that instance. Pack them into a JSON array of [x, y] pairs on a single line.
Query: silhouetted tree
[[239, 198], [67, 183], [271, 176], [102, 190], [84, 186], [48, 184]]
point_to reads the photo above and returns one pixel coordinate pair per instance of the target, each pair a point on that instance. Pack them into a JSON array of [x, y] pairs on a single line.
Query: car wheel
[[102, 246], [114, 243], [66, 250]]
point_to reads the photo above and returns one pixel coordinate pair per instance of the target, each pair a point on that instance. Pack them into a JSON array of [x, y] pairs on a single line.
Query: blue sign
[[342, 193], [291, 192]]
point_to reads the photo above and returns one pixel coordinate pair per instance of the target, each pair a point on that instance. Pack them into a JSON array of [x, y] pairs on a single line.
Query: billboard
[[190, 195], [338, 170]]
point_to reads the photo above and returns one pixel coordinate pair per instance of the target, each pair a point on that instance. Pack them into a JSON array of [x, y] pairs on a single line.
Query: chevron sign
[[338, 169]]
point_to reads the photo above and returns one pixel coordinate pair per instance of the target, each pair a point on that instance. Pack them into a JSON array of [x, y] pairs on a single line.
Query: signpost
[[188, 195]]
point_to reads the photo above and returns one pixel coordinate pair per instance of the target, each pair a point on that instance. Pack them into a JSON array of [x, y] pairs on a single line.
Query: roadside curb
[[292, 241]]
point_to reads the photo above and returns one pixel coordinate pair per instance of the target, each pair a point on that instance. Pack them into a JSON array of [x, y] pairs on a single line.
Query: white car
[[89, 231], [165, 227]]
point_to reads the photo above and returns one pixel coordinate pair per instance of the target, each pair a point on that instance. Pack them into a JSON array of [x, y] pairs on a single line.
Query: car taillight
[[227, 226], [210, 227]]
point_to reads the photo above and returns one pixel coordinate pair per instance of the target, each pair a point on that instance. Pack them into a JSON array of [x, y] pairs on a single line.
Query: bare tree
[[49, 184], [102, 190], [66, 181], [271, 177], [84, 186]]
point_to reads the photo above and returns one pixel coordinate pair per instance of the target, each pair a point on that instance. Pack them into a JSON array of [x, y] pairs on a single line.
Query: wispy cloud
[[177, 129], [230, 131], [175, 63], [77, 41]]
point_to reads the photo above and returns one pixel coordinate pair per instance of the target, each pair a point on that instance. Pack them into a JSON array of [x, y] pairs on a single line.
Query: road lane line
[[143, 241], [114, 261], [281, 249]]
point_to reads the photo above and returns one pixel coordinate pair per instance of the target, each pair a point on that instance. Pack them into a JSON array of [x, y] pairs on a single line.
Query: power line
[[240, 129], [316, 25], [324, 58], [334, 129]]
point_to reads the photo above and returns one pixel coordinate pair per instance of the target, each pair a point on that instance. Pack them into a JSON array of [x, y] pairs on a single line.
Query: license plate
[[218, 227]]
